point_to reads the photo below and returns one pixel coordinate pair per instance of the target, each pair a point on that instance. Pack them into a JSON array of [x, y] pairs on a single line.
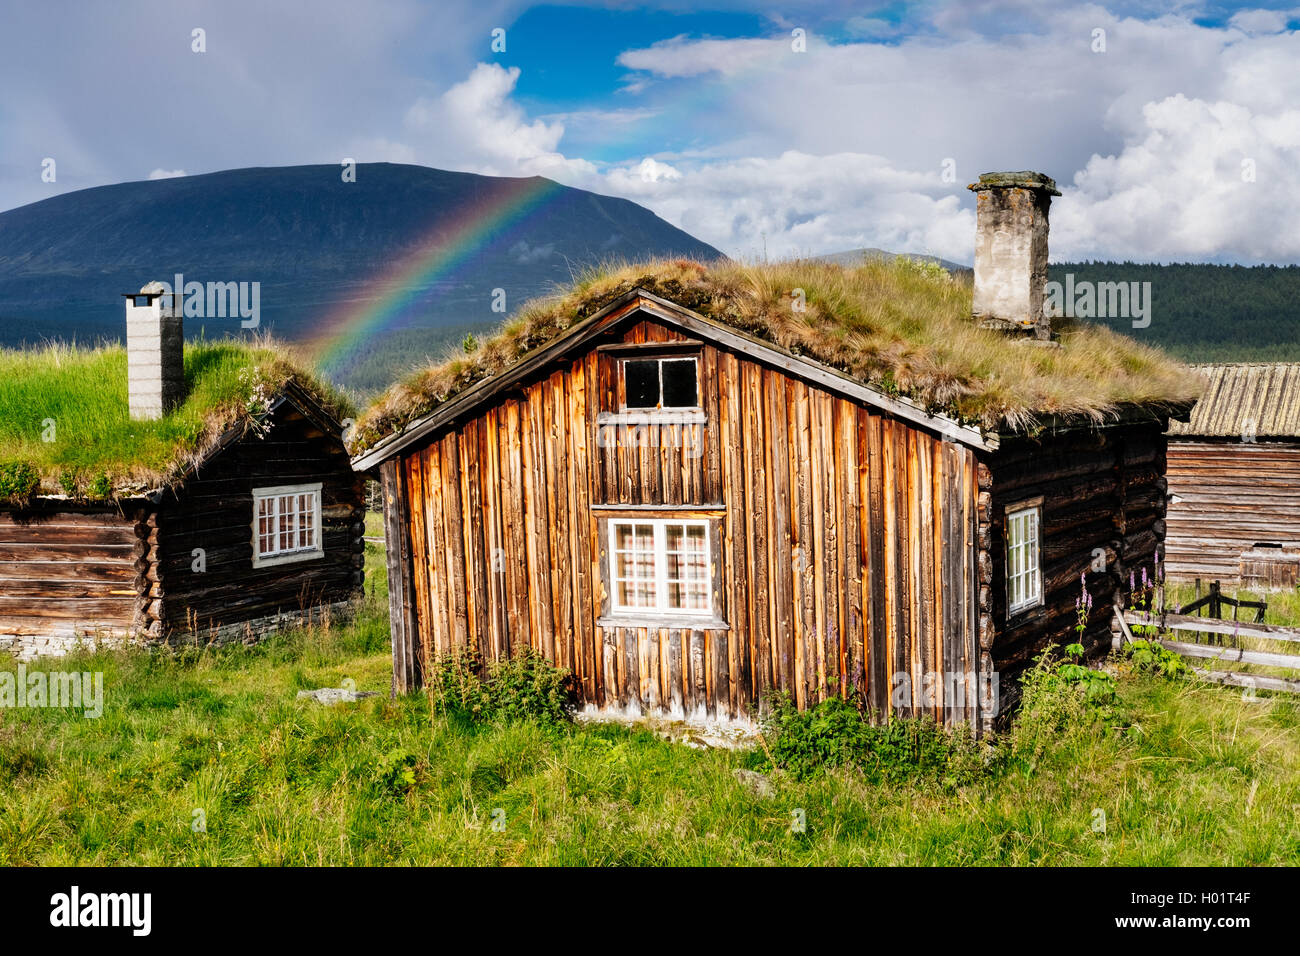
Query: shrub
[[18, 480], [70, 482], [1060, 699], [100, 487], [528, 687], [839, 732], [1153, 657], [395, 771]]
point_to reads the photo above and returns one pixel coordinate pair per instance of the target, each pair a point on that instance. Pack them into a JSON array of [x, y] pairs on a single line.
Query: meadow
[[206, 757]]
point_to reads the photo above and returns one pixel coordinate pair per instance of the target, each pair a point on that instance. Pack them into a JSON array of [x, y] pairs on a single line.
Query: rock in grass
[[755, 782], [334, 695]]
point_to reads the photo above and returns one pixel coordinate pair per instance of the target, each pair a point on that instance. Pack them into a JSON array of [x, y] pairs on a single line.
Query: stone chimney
[[155, 362], [1011, 252]]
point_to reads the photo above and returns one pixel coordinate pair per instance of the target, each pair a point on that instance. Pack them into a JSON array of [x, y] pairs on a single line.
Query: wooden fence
[[1223, 643]]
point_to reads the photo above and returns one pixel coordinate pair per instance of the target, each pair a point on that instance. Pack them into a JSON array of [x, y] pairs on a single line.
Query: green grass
[[1195, 775], [64, 410], [1283, 606]]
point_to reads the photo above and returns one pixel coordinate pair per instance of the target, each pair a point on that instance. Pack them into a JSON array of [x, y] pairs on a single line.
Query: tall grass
[[1191, 774]]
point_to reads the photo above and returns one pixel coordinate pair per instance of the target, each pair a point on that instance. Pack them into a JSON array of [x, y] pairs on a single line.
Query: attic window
[[1024, 571], [286, 524], [661, 383]]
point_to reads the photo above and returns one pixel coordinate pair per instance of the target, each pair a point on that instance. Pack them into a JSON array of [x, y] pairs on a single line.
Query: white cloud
[[842, 146], [488, 130], [1207, 178], [167, 174], [682, 57], [1261, 21]]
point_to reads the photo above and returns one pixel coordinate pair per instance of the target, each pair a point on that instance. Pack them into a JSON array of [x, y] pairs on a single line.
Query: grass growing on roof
[[900, 325], [63, 410]]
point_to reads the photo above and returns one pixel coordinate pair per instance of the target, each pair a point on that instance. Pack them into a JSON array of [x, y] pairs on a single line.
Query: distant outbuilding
[[1234, 478]]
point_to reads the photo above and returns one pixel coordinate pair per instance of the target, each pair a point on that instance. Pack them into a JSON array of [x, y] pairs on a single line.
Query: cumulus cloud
[[167, 173], [1178, 142], [491, 131], [1208, 177], [1181, 140]]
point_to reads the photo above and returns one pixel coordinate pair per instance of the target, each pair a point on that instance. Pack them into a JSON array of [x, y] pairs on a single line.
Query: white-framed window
[[661, 382], [286, 524], [661, 565], [1024, 567]]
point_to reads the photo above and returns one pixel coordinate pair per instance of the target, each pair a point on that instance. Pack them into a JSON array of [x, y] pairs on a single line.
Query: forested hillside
[[1208, 313]]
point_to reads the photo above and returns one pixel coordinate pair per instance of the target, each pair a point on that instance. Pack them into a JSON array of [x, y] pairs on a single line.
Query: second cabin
[[693, 486], [165, 492]]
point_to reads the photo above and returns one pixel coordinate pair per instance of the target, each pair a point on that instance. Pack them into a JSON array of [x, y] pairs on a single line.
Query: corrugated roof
[[1245, 397]]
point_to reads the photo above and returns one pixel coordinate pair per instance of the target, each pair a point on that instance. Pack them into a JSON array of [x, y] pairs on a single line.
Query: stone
[[335, 695]]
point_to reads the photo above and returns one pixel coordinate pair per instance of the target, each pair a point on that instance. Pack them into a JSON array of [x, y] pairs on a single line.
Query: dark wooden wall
[[1233, 494], [66, 574], [214, 511], [847, 541], [1103, 493]]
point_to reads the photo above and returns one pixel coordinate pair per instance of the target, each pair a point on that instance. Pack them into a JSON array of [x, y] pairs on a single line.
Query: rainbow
[[454, 243]]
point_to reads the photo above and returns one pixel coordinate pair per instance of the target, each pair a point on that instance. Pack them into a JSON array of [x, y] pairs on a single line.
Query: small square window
[[681, 385], [661, 383], [642, 379]]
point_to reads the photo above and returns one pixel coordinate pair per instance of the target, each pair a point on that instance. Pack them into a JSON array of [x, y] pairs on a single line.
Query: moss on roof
[[64, 419], [900, 325]]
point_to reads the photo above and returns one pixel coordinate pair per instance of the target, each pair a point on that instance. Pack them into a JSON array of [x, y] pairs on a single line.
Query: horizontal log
[[1255, 681], [1234, 654], [1211, 625]]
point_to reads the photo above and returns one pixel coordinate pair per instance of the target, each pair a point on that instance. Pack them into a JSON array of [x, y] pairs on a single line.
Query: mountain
[[429, 244]]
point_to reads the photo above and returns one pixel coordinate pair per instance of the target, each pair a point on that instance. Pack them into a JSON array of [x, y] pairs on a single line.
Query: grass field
[[1192, 775]]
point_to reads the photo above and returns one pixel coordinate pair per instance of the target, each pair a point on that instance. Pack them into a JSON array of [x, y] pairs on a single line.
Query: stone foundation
[[28, 647]]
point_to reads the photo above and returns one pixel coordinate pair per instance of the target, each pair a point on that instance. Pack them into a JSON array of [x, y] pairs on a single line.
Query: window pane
[[307, 521], [642, 380], [285, 503], [681, 389]]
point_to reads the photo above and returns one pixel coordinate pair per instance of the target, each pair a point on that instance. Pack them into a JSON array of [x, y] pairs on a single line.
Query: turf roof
[[63, 413], [901, 326]]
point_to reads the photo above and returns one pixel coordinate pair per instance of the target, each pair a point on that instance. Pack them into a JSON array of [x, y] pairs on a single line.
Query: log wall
[[1104, 501], [213, 511], [1232, 495], [67, 576], [846, 555]]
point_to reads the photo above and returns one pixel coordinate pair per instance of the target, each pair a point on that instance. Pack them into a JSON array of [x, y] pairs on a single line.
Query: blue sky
[[1176, 137]]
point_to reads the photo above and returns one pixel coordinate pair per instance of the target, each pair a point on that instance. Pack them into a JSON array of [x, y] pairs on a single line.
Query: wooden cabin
[[1234, 479], [258, 526], [688, 509]]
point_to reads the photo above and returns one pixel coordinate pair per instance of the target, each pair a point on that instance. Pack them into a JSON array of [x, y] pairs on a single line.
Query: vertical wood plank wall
[[847, 552]]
